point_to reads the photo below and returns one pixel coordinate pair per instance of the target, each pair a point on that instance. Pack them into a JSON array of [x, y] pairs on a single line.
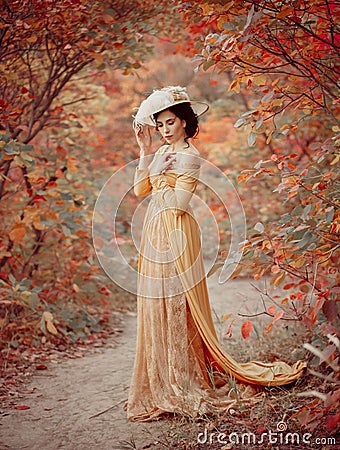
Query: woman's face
[[171, 127]]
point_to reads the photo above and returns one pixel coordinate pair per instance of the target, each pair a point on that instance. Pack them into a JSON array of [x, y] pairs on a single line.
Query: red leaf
[[271, 309], [278, 316], [38, 198], [247, 326], [21, 407], [330, 310], [289, 286], [332, 421], [261, 429], [41, 367]]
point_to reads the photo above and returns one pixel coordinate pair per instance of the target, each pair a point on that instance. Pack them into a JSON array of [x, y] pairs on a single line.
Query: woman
[[179, 365]]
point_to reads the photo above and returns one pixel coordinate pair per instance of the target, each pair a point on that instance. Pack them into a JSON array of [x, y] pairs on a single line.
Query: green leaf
[[26, 157], [297, 211], [286, 218], [249, 113], [239, 122], [306, 211], [12, 280], [207, 64], [258, 123], [330, 216], [5, 137], [26, 147], [214, 268], [228, 26], [306, 239], [251, 138], [42, 324], [11, 149], [110, 12], [267, 97], [256, 331], [259, 227]]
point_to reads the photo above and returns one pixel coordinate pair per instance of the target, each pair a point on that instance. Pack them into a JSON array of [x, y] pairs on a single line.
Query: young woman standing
[[179, 364]]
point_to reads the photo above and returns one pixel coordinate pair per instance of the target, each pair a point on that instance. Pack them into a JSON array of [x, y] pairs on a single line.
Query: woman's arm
[[142, 185]]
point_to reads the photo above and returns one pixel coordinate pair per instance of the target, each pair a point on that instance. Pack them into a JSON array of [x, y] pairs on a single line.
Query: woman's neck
[[179, 145]]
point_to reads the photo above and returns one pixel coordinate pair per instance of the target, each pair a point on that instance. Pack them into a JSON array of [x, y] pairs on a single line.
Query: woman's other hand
[[162, 162]]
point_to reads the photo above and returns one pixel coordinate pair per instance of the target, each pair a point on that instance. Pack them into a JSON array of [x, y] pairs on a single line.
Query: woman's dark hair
[[185, 112]]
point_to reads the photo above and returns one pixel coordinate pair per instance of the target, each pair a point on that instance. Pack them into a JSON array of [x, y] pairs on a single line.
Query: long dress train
[[177, 350]]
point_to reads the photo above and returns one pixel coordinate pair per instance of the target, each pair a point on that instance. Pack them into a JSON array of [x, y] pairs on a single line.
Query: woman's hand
[[161, 163], [143, 137]]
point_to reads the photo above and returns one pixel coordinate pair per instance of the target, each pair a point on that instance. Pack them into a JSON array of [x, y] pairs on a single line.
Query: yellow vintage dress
[[177, 353]]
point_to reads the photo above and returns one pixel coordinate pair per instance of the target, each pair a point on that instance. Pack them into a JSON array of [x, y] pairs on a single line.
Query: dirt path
[[70, 393]]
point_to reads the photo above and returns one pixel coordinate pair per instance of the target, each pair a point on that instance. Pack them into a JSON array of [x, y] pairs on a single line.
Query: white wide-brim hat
[[163, 99]]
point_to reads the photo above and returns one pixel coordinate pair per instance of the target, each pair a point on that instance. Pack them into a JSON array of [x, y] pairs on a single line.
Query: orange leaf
[[270, 326], [260, 274], [48, 317], [246, 328], [17, 233], [235, 85], [226, 317], [229, 330], [278, 278], [304, 288], [277, 317], [244, 176]]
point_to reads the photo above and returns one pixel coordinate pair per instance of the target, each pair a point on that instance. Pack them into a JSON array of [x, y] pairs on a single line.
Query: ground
[[78, 403]]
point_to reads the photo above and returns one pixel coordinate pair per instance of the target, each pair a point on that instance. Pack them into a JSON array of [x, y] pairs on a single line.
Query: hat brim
[[145, 117]]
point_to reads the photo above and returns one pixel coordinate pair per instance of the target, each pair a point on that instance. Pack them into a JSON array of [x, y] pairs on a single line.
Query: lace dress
[[179, 366]]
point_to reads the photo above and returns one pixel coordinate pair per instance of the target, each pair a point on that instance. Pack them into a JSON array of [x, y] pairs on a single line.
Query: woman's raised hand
[[143, 137]]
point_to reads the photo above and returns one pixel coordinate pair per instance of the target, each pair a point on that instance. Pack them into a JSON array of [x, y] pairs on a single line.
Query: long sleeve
[[178, 197], [142, 185]]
